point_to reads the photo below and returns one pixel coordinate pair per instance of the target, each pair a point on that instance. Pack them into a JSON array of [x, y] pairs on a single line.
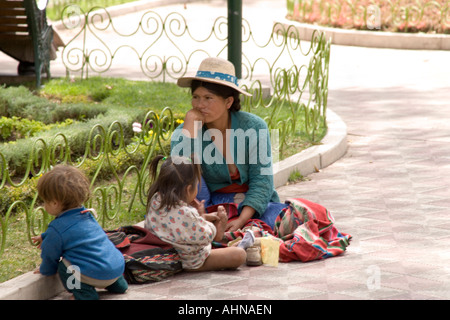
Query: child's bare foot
[[222, 214], [211, 217], [221, 223]]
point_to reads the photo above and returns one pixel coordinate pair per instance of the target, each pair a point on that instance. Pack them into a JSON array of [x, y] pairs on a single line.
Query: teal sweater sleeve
[[256, 169], [250, 141]]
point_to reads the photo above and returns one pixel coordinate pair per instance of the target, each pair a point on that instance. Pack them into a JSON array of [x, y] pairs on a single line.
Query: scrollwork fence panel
[[103, 147], [166, 48]]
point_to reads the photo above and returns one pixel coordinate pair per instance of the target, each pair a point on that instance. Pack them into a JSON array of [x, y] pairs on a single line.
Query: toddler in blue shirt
[[74, 244]]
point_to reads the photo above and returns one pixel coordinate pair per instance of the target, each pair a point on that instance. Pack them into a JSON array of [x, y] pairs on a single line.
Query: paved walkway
[[391, 190]]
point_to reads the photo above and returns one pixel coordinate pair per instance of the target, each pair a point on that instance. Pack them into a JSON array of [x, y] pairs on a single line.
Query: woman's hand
[[191, 121], [194, 115], [238, 223]]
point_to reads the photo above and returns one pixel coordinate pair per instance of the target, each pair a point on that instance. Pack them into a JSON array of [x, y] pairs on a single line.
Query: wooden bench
[[23, 26]]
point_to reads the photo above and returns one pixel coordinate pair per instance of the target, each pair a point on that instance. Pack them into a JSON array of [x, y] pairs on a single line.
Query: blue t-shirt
[[78, 238]]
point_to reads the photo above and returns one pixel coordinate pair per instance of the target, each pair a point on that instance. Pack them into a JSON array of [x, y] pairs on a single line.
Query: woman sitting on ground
[[232, 146]]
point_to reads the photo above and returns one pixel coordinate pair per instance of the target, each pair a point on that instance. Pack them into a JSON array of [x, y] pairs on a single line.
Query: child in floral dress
[[176, 217]]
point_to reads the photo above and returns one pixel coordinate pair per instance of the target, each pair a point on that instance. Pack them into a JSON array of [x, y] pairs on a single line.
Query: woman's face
[[210, 105]]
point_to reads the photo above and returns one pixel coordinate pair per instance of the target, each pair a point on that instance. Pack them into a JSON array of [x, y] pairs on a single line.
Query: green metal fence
[[295, 72], [105, 150], [166, 48]]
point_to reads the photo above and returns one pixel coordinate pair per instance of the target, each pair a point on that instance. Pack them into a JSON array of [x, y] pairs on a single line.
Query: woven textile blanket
[[308, 232], [305, 230]]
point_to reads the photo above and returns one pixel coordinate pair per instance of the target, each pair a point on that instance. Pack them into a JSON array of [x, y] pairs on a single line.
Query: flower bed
[[394, 16]]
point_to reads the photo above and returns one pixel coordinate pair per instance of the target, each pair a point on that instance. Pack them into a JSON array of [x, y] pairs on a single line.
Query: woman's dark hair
[[219, 90], [175, 174]]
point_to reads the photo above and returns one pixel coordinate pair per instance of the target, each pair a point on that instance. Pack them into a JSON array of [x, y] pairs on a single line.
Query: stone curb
[[372, 39], [30, 286], [332, 148]]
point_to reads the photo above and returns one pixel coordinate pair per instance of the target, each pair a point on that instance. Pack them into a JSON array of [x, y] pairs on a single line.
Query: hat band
[[218, 76]]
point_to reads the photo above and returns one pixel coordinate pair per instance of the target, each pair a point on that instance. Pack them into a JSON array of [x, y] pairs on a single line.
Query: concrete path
[[391, 191]]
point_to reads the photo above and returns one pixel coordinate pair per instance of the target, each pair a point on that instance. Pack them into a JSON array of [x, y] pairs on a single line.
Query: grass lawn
[[117, 91], [55, 7]]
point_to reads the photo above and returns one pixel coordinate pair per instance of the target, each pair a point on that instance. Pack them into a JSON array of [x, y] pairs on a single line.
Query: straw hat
[[214, 70]]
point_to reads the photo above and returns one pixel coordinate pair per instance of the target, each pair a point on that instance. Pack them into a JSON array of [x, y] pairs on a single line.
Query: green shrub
[[118, 163], [21, 103], [25, 192], [16, 128]]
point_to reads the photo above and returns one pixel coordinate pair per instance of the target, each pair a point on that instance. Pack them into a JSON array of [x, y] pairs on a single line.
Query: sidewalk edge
[[371, 39], [30, 286], [332, 148]]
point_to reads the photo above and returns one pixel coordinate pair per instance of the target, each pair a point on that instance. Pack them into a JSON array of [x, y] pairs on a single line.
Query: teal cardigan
[[252, 156]]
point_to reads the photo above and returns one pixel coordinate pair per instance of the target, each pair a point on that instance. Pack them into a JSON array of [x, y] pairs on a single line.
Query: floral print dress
[[183, 227]]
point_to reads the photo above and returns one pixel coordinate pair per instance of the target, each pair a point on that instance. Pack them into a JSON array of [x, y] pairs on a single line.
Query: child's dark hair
[[175, 174], [65, 184], [219, 90]]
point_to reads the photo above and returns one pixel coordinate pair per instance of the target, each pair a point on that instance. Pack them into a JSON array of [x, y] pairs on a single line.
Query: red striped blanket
[[308, 232]]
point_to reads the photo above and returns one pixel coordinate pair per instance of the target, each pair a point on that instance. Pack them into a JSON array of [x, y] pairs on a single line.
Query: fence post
[[235, 35]]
